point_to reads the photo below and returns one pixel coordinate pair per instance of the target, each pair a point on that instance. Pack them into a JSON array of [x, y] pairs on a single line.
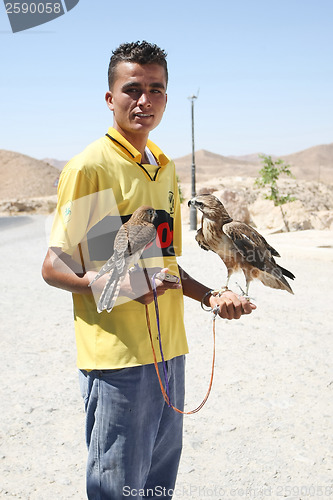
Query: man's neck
[[139, 141]]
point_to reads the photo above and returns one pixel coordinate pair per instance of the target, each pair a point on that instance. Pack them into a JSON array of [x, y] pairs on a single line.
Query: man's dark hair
[[137, 52]]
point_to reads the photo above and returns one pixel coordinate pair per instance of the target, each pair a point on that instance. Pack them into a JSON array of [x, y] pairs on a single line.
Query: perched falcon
[[240, 246], [131, 240]]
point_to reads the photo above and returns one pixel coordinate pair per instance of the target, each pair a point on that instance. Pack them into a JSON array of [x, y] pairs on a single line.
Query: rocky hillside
[[312, 208], [232, 180]]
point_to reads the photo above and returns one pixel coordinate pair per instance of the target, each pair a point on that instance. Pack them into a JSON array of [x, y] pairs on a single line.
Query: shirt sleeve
[[77, 198]]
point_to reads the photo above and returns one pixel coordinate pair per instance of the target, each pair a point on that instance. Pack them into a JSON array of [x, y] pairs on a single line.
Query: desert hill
[[25, 177], [312, 164], [28, 185], [58, 164], [210, 165]]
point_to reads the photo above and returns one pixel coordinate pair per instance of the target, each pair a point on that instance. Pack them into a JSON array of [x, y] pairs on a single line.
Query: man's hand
[[137, 285], [231, 305]]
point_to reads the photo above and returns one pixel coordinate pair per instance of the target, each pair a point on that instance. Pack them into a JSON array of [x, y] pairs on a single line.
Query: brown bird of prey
[[239, 245], [131, 240]]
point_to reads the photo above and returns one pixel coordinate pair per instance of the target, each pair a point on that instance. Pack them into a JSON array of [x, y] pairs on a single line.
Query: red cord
[[159, 378]]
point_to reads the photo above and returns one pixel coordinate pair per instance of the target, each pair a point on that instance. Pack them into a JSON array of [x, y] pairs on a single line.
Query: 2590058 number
[[33, 8], [305, 491]]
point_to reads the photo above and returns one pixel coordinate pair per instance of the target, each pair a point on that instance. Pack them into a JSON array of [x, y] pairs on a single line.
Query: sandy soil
[[264, 433]]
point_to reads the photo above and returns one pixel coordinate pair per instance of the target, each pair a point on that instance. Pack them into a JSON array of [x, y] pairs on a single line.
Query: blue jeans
[[134, 439]]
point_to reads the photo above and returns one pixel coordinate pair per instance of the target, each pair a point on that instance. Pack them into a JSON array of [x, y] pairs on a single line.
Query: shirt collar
[[133, 153]]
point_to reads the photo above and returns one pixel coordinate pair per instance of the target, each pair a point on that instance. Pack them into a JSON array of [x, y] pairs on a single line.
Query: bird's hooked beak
[[153, 216], [196, 204]]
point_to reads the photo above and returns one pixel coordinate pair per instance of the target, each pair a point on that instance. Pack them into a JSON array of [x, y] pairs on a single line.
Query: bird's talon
[[244, 294], [134, 268]]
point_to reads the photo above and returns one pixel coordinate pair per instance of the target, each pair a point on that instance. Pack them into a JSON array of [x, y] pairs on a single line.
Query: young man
[[134, 438]]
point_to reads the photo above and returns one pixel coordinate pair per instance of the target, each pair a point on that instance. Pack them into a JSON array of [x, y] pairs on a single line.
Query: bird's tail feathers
[[110, 293]]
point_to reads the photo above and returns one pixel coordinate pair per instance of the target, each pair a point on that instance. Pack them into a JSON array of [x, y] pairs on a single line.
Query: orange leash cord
[[166, 398]]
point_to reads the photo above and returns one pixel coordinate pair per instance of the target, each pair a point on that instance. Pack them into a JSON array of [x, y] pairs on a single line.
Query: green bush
[[269, 175]]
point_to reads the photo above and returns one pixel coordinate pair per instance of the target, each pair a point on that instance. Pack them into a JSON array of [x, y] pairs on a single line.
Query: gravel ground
[[266, 429]]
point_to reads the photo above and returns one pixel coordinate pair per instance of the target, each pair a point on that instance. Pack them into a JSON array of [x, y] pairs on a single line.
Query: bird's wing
[[273, 276], [250, 244], [120, 246], [139, 236], [131, 240], [257, 253]]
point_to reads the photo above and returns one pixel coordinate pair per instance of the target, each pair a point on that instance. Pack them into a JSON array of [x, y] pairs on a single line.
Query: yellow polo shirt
[[98, 191]]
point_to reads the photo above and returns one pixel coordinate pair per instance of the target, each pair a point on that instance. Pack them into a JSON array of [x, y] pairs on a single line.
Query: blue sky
[[264, 70]]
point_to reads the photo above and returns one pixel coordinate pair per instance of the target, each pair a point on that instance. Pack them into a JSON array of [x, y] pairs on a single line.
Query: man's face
[[137, 99]]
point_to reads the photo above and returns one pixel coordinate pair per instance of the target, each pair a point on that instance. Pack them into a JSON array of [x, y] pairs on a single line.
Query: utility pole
[[193, 212]]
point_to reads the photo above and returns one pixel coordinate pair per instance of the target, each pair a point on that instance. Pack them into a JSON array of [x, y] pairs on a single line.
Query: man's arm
[[61, 271], [231, 306]]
